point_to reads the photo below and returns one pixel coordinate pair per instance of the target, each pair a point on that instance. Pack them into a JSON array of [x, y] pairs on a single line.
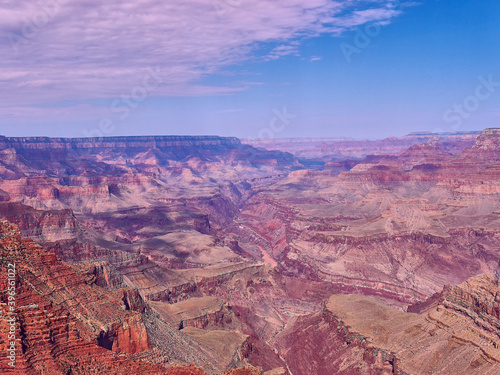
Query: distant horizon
[[414, 133]]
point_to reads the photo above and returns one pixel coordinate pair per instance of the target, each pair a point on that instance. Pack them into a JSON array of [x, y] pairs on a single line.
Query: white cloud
[[85, 49]]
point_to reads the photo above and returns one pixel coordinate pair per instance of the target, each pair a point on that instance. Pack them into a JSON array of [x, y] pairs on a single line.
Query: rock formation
[[207, 255]]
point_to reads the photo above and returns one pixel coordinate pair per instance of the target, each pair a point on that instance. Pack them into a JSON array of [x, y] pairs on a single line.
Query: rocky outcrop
[[322, 345], [197, 312], [487, 144], [477, 298], [356, 334], [58, 320], [41, 225]]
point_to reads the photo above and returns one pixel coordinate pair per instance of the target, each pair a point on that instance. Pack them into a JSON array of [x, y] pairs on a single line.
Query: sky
[[248, 68]]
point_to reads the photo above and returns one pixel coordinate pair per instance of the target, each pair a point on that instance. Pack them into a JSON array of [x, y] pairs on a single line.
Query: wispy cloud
[[284, 50], [85, 49]]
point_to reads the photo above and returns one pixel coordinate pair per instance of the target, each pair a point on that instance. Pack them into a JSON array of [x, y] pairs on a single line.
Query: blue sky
[[363, 69]]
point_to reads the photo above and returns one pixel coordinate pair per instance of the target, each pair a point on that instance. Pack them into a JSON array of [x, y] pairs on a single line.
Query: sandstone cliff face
[[59, 317], [479, 299], [41, 226]]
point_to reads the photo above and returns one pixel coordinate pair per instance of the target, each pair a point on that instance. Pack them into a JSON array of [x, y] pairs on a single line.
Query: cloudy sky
[[248, 68]]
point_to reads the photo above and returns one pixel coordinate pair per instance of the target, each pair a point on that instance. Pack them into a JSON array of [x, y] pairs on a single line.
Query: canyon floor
[[211, 255]]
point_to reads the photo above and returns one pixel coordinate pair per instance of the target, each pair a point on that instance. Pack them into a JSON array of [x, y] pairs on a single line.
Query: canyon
[[211, 255]]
